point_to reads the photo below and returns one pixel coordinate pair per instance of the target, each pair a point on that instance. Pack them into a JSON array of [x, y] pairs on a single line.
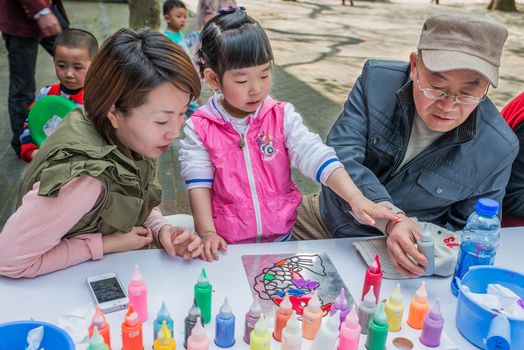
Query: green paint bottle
[[378, 330], [203, 291]]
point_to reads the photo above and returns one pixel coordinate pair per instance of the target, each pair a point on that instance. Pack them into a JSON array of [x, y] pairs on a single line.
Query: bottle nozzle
[[98, 320], [203, 280], [198, 332], [261, 326], [254, 309], [163, 312], [164, 335], [131, 317], [380, 315], [285, 306], [396, 297], [421, 295], [341, 300], [137, 277], [434, 311], [226, 308], [375, 266], [314, 303], [96, 341], [369, 298], [352, 317]]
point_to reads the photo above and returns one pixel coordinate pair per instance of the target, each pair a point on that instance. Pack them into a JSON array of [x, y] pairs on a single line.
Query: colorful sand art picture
[[271, 276]]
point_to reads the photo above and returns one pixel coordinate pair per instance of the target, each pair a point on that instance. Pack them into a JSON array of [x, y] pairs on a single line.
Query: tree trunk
[[144, 13], [502, 5]]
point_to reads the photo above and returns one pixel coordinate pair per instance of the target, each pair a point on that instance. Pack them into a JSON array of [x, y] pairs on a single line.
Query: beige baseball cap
[[455, 40]]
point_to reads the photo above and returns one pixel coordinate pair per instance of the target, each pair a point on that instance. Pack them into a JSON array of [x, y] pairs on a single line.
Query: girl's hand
[[212, 242], [137, 238], [367, 211], [180, 241]]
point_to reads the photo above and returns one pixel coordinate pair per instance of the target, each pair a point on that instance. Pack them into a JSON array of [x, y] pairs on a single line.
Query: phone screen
[[107, 290]]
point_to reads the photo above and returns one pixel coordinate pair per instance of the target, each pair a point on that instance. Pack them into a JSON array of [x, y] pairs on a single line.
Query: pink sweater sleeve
[[155, 221], [32, 243]]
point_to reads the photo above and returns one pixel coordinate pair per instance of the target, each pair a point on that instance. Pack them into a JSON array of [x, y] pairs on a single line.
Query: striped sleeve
[[307, 151], [197, 169]]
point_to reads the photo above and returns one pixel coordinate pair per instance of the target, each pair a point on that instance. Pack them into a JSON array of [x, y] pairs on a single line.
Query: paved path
[[319, 49]]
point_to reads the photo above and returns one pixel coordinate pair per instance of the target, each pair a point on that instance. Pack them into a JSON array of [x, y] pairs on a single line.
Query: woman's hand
[[180, 241], [212, 242], [137, 238]]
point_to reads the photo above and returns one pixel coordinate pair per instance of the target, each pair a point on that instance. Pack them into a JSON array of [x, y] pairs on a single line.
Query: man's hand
[[180, 241], [212, 242], [49, 25], [401, 239], [137, 238]]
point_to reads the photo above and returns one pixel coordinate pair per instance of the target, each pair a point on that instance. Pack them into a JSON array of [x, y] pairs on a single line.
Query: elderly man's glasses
[[435, 94]]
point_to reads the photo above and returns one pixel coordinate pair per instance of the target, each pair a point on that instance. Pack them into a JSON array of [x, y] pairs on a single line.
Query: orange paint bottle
[[99, 321], [312, 318], [283, 314], [132, 331], [418, 308]]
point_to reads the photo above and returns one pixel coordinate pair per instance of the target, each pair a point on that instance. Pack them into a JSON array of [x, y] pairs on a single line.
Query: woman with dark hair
[[92, 187]]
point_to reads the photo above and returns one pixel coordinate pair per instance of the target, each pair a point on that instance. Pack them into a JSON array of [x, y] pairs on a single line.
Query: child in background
[[175, 14], [74, 49], [240, 146]]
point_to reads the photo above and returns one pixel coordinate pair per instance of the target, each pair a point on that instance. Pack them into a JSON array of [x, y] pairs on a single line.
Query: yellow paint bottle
[[394, 309]]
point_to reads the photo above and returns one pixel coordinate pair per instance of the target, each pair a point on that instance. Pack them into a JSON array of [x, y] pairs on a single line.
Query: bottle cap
[[163, 313], [426, 234], [261, 327], [98, 320], [369, 299], [194, 312], [226, 309], [164, 335], [375, 266], [292, 325], [341, 302], [396, 297], [499, 334], [203, 281], [285, 306], [379, 317], [487, 206], [352, 317], [198, 332], [137, 278], [333, 322], [254, 309], [421, 295], [131, 318], [96, 341], [314, 303], [434, 312]]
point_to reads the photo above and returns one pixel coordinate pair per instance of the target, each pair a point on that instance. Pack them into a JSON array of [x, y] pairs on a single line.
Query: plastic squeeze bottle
[[418, 308], [394, 308], [137, 294]]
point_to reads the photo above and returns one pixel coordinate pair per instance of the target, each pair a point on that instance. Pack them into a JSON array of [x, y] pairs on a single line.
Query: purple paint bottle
[[341, 304], [432, 328]]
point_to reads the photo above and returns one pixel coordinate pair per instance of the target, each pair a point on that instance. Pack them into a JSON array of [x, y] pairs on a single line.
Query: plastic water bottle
[[480, 239]]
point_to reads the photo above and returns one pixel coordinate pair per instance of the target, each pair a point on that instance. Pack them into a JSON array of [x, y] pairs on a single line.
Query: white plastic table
[[47, 297]]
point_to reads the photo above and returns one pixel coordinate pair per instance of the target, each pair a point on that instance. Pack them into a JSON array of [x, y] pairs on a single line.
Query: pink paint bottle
[[137, 294], [283, 314], [350, 331], [251, 319], [198, 339], [373, 278]]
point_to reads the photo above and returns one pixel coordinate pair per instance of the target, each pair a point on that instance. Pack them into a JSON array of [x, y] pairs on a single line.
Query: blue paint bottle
[[225, 326], [163, 315]]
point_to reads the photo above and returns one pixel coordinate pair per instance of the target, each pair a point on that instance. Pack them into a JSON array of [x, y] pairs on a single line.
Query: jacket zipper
[[242, 144]]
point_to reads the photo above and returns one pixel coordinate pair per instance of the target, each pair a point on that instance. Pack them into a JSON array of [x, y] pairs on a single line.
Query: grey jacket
[[442, 183]]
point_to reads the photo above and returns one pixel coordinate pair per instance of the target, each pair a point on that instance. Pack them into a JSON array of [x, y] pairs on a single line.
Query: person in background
[[513, 207], [26, 24], [421, 136], [74, 49], [240, 146], [207, 9], [92, 188]]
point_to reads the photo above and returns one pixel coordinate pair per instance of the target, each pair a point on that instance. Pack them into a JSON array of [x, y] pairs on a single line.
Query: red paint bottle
[[373, 278]]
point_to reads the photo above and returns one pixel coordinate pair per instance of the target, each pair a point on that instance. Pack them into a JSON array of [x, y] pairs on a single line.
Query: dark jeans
[[22, 52]]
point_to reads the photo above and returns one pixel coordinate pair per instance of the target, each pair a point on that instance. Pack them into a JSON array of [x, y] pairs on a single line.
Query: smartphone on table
[[108, 292]]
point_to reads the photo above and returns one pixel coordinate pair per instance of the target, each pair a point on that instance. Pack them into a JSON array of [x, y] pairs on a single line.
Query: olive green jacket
[[77, 149]]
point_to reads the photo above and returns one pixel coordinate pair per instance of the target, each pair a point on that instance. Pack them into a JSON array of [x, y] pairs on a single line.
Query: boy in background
[[74, 49]]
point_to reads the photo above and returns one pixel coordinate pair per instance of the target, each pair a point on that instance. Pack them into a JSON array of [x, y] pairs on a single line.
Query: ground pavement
[[319, 50]]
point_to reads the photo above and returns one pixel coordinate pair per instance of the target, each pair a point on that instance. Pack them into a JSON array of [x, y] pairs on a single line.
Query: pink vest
[[272, 196]]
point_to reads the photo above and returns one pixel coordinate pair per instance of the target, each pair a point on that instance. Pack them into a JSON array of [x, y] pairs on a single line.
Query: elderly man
[[421, 137]]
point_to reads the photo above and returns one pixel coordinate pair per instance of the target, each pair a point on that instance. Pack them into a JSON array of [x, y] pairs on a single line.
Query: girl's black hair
[[233, 40]]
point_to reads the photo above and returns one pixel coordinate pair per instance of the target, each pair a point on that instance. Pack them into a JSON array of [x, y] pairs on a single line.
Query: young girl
[[91, 189], [240, 145]]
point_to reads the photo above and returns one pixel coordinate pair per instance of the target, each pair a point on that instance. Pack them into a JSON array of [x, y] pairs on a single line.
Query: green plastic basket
[[46, 114]]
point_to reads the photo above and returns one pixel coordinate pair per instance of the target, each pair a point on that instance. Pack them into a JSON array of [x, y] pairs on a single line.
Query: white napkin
[[77, 321]]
